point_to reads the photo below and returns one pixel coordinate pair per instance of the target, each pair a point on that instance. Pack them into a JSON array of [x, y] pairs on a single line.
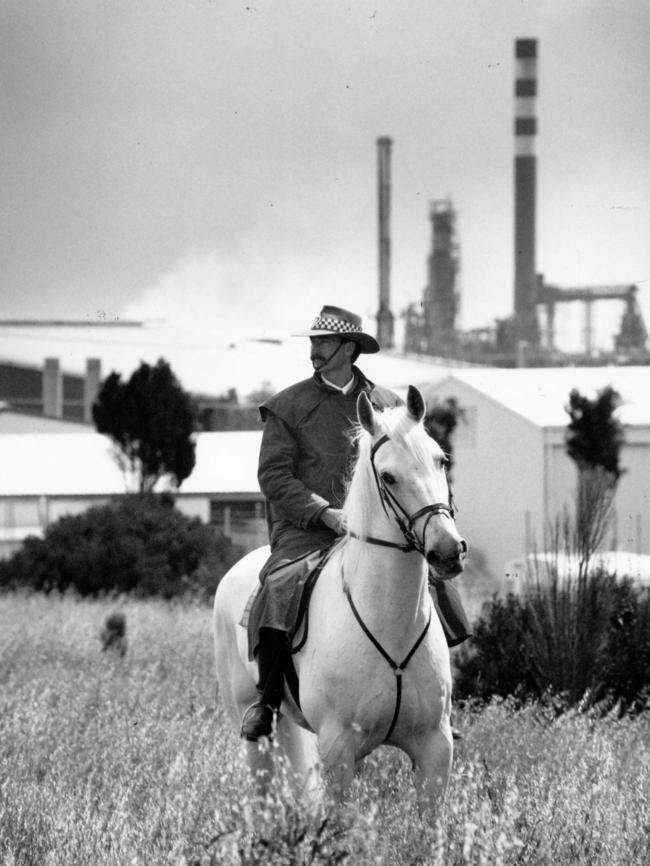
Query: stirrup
[[257, 722]]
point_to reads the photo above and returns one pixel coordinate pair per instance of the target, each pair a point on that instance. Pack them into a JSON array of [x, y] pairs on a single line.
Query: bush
[[497, 661], [586, 640], [141, 545], [626, 661]]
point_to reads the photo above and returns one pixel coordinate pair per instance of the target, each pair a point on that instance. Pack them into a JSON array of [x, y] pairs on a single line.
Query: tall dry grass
[[129, 761]]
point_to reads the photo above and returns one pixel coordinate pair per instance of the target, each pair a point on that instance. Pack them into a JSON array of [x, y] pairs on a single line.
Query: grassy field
[[129, 761]]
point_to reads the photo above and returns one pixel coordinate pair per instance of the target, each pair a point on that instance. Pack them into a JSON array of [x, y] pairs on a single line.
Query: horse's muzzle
[[449, 563]]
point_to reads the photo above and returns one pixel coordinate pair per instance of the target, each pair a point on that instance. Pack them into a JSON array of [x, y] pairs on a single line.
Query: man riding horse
[[304, 462]]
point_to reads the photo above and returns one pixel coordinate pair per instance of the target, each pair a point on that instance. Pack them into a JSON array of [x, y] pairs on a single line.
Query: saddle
[[282, 600]]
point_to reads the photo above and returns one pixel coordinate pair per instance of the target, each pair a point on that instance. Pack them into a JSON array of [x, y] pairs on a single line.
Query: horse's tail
[[234, 675]]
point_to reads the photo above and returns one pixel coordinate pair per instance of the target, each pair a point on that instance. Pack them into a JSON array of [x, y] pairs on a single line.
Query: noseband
[[404, 520]]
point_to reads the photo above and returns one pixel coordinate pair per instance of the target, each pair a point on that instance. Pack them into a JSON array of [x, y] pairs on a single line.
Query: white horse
[[374, 668]]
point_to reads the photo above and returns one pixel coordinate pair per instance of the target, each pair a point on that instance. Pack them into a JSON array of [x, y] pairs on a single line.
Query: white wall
[[561, 481], [194, 506], [633, 496], [630, 528], [512, 478], [497, 476]]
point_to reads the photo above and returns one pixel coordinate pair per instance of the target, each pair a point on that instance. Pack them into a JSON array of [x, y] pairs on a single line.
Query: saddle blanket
[[280, 602]]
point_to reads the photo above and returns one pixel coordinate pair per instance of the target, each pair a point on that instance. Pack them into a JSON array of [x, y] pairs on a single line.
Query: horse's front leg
[[336, 746], [432, 755], [300, 748]]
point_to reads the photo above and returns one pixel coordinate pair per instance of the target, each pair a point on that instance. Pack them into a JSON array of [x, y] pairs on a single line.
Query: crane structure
[[632, 336]]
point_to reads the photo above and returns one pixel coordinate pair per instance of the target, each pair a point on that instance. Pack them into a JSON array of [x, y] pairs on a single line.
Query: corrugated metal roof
[[76, 464], [203, 365], [540, 394]]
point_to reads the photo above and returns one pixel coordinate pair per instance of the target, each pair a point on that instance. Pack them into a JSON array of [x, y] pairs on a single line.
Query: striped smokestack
[[525, 187], [385, 323]]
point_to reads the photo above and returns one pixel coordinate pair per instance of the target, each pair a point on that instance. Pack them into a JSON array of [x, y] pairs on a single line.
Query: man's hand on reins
[[334, 519]]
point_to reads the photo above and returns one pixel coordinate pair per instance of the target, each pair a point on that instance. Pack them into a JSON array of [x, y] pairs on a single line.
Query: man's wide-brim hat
[[337, 322]]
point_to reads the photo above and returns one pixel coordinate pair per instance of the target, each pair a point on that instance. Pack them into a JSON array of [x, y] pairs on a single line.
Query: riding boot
[[271, 656]]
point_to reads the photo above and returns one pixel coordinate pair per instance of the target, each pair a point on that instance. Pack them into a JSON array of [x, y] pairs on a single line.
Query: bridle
[[404, 520]]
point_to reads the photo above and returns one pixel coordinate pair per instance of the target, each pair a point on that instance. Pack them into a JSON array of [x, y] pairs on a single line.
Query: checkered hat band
[[328, 323]]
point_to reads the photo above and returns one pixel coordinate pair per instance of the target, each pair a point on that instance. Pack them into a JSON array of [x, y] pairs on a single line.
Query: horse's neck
[[388, 584]]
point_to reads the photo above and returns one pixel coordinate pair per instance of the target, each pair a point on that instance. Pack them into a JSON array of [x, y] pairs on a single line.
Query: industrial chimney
[[52, 388], [92, 384], [385, 322], [525, 313]]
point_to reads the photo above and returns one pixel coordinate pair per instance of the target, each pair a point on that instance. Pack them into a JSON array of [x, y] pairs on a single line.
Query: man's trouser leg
[[451, 612], [455, 625], [271, 657]]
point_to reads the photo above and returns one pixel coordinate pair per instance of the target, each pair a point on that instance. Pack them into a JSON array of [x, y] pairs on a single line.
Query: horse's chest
[[362, 689]]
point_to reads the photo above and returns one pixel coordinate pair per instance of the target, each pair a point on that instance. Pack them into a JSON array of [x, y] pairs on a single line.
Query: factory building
[[511, 437], [431, 326]]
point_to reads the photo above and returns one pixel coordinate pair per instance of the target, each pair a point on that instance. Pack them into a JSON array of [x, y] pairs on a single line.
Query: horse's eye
[[387, 478]]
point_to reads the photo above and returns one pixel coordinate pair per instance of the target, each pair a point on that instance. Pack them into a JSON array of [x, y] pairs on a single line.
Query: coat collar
[[361, 383]]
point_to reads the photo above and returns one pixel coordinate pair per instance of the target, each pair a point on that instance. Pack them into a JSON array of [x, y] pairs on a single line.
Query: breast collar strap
[[398, 669]]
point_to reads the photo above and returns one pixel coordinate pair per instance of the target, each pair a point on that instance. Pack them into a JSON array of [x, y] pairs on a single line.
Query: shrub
[[586, 640], [440, 423], [141, 544], [497, 662], [626, 660]]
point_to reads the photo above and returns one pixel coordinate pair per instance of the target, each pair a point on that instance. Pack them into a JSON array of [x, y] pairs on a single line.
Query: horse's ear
[[415, 403], [366, 413]]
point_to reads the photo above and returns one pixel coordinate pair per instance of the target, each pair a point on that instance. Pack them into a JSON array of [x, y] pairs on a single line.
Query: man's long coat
[[306, 457]]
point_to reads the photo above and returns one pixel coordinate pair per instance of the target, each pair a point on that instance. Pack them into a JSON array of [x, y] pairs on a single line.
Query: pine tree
[[151, 420], [594, 438], [440, 422], [594, 435]]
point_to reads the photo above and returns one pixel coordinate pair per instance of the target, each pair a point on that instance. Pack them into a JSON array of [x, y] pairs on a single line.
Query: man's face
[[327, 353]]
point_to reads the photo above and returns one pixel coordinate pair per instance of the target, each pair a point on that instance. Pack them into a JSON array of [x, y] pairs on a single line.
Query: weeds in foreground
[[110, 760]]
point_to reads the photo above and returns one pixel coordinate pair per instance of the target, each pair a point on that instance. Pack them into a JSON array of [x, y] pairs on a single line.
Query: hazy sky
[[213, 162]]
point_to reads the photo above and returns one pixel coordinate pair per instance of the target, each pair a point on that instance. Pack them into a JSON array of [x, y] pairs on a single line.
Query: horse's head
[[408, 468]]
